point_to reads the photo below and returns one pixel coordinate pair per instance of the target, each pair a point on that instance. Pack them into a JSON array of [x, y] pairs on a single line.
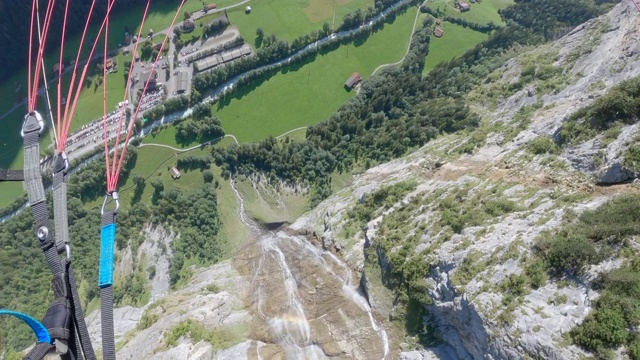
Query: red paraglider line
[[69, 116], [64, 31], [40, 58], [62, 138], [114, 179], [126, 91], [636, 4], [104, 93], [33, 16]]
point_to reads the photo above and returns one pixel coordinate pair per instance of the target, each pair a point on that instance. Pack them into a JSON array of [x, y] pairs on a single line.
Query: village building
[[209, 7], [109, 64], [438, 32], [150, 76], [463, 6], [182, 82], [215, 60], [175, 173], [353, 80]]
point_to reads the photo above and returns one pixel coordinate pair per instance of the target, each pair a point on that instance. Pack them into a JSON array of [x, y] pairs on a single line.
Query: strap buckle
[[61, 164], [115, 197], [32, 121]]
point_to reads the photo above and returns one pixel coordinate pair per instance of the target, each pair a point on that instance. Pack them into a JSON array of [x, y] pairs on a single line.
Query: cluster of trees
[[200, 130], [192, 162], [201, 126], [216, 26], [195, 214], [553, 18], [594, 236], [621, 104]]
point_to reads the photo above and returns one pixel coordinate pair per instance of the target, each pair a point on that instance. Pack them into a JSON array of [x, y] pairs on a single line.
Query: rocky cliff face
[[476, 316], [510, 195]]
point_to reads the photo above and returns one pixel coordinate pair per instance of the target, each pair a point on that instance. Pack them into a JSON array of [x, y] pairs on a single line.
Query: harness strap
[[105, 282], [80, 324], [60, 210], [39, 351], [65, 312], [11, 175]]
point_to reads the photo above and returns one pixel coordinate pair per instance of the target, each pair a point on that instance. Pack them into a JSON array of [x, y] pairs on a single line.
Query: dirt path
[[413, 29]]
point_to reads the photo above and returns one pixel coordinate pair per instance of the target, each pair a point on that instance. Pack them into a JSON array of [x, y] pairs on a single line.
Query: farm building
[[224, 57], [438, 32], [353, 80], [208, 63], [182, 82], [150, 76], [209, 7], [175, 173], [109, 63], [463, 5]]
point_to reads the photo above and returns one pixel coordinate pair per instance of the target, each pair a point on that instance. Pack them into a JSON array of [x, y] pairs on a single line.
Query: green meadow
[[312, 92], [481, 12], [454, 43], [291, 19]]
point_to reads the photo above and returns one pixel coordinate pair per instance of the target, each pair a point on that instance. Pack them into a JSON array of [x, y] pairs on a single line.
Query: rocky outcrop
[[475, 317]]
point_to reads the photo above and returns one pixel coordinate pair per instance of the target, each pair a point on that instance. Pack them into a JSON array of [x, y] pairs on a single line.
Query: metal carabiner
[[32, 121], [115, 197]]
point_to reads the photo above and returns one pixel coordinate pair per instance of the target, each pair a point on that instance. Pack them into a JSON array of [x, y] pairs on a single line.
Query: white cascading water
[[283, 268]]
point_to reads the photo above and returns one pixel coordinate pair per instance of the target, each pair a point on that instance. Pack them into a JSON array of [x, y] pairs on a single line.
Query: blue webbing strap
[[107, 243], [105, 282], [36, 326]]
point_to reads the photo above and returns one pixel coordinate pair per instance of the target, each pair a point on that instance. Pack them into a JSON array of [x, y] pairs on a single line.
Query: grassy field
[[455, 42], [313, 92], [293, 18], [481, 12]]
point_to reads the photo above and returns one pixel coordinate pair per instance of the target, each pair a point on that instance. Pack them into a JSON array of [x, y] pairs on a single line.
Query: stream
[[305, 300]]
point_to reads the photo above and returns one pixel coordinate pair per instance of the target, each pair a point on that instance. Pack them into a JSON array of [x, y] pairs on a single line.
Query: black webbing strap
[[78, 318], [62, 315], [62, 245], [11, 175], [105, 281], [39, 351]]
